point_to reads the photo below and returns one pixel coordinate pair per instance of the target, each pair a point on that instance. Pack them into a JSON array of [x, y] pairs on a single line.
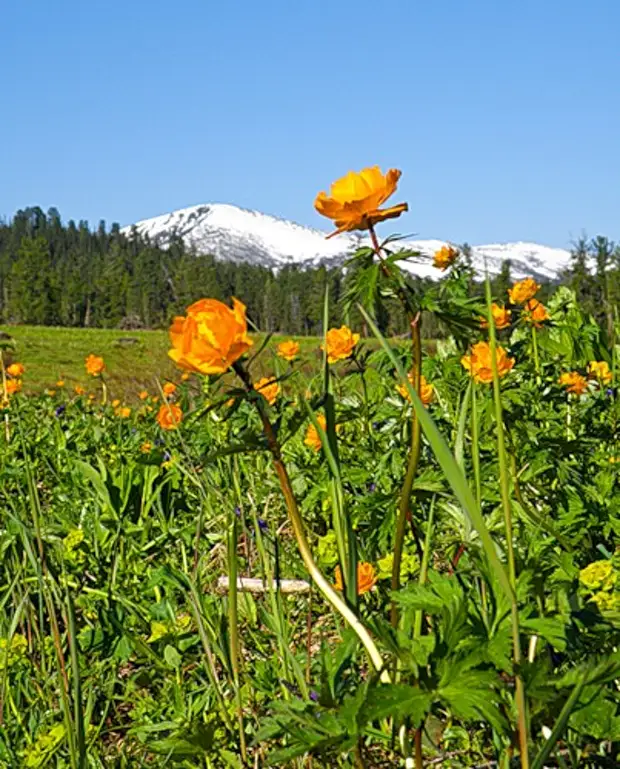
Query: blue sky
[[503, 116]]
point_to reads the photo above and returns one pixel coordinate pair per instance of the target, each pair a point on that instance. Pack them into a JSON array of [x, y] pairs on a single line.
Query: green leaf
[[397, 701]]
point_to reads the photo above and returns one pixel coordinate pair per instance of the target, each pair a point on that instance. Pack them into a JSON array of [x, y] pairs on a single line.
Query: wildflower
[[94, 365], [60, 383], [445, 257], [268, 388], [124, 412], [288, 350], [13, 386], [409, 565], [523, 290], [17, 646], [427, 391], [154, 398], [536, 313], [59, 410], [79, 390], [16, 370], [146, 447], [366, 578], [72, 547], [501, 317], [115, 403], [574, 382], [143, 395], [169, 416], [599, 369], [50, 392], [169, 389], [184, 376], [312, 438], [262, 525], [479, 362], [606, 601], [339, 343], [354, 200], [211, 337], [91, 397], [598, 575]]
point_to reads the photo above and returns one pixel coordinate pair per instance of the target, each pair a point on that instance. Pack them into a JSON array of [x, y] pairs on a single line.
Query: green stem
[[475, 445], [535, 353], [233, 622]]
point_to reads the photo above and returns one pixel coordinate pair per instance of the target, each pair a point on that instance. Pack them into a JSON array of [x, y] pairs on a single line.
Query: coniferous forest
[[67, 274]]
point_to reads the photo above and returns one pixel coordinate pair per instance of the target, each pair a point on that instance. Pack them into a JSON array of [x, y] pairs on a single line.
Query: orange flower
[[169, 416], [16, 370], [599, 369], [184, 376], [211, 337], [445, 257], [523, 290], [79, 390], [366, 578], [339, 343], [13, 386], [288, 350], [574, 382], [60, 383], [94, 365], [479, 362], [427, 391], [146, 447], [143, 395], [536, 313], [169, 389], [122, 411], [268, 388], [354, 200], [115, 403], [51, 393], [501, 317], [312, 438]]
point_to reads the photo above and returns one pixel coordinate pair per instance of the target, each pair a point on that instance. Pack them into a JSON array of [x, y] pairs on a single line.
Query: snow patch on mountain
[[236, 234]]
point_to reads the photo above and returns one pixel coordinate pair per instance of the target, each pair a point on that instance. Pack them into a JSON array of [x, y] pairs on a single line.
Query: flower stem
[[535, 353]]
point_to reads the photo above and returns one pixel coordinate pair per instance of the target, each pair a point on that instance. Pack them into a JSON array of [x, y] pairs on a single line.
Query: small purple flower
[[159, 441], [610, 392], [238, 511], [59, 410], [167, 456], [372, 487], [262, 525], [314, 696]]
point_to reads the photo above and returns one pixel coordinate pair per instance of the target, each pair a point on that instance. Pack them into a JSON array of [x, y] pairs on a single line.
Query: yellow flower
[[354, 200], [184, 376], [366, 578], [211, 337], [536, 313], [339, 343], [599, 369], [79, 390], [606, 601], [427, 391], [312, 438], [501, 317], [288, 350], [60, 383], [169, 389], [16, 370], [268, 388], [51, 393], [445, 257], [479, 362], [94, 365], [146, 447], [116, 402], [574, 382], [143, 395], [169, 416], [523, 290], [598, 575], [13, 386], [122, 411]]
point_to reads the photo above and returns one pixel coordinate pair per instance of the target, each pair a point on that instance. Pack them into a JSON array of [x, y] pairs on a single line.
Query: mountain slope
[[239, 235]]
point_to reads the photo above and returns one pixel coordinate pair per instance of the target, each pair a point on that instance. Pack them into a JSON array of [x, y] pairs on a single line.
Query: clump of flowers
[[479, 362], [445, 257], [169, 416], [574, 382], [409, 566], [427, 391], [12, 386], [288, 350], [599, 369], [366, 578], [94, 365], [600, 581], [339, 343], [17, 648], [523, 290], [501, 317], [268, 388], [211, 337], [354, 200]]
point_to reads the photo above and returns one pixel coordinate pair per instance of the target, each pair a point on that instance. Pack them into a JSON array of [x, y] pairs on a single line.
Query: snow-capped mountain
[[238, 235]]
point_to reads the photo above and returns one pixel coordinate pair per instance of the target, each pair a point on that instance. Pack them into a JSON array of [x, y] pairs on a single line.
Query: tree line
[[66, 274]]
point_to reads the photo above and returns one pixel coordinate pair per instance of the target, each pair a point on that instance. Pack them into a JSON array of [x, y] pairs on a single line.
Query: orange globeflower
[[169, 389], [13, 386], [211, 337], [536, 313], [574, 382], [184, 376], [427, 391], [79, 390], [312, 438], [445, 257], [479, 362], [599, 369], [115, 403], [288, 350], [60, 383], [94, 365], [122, 411], [16, 370], [339, 343], [169, 416], [354, 200], [501, 317], [146, 447], [268, 388], [523, 290], [366, 578], [143, 395]]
